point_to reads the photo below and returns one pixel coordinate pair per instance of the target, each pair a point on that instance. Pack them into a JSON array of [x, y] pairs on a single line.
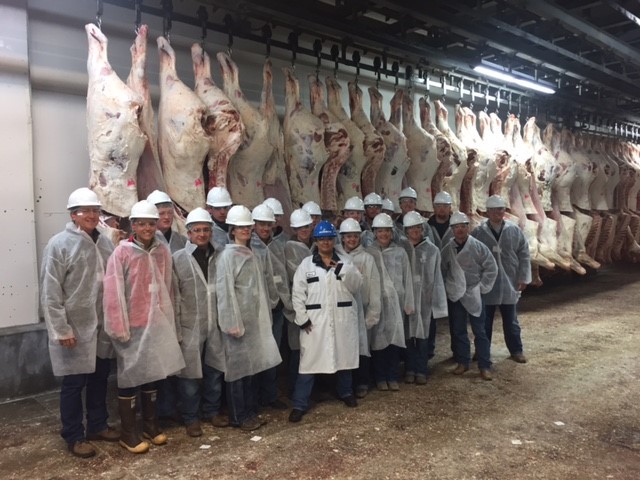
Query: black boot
[[129, 437], [150, 427]]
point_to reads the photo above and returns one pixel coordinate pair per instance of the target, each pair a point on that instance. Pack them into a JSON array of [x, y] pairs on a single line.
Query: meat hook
[[99, 12], [203, 16], [138, 10]]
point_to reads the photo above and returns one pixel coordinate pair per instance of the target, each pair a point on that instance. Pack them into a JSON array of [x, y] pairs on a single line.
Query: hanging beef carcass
[[396, 161], [374, 146], [182, 141], [337, 141], [467, 133], [304, 148], [348, 181], [506, 164], [149, 173], [115, 139], [453, 182], [423, 156], [444, 152]]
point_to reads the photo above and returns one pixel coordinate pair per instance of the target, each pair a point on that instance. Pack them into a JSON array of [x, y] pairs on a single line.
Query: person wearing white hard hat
[[72, 269], [194, 272], [388, 207], [313, 209], [279, 234], [218, 205], [511, 252], [439, 221], [368, 298], [388, 335], [140, 319], [244, 317], [469, 271], [430, 298], [407, 200], [372, 207], [276, 279], [166, 211]]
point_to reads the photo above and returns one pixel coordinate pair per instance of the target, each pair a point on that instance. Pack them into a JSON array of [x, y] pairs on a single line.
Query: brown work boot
[[150, 427], [421, 379], [129, 437], [194, 429], [251, 424], [519, 358], [486, 375], [82, 449], [460, 369], [109, 434], [220, 421]]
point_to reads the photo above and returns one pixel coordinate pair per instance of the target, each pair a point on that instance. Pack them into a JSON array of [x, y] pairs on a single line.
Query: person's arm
[[229, 315], [299, 290]]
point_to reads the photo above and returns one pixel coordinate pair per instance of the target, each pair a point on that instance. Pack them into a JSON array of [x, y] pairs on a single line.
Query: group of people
[[189, 318]]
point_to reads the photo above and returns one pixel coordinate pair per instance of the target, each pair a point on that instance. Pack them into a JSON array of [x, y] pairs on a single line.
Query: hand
[[408, 311], [235, 332], [308, 328], [370, 322], [124, 337], [68, 342], [521, 286]]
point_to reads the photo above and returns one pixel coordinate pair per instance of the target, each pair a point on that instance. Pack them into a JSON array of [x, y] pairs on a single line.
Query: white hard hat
[[263, 213], [458, 218], [387, 204], [275, 205], [300, 218], [312, 208], [382, 220], [354, 203], [83, 197], [442, 198], [239, 216], [412, 218], [372, 199], [219, 197], [144, 209], [408, 193], [198, 215], [157, 197], [349, 225], [496, 201]]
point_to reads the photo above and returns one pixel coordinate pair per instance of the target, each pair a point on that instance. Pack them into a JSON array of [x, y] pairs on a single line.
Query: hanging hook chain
[[335, 55], [229, 23], [138, 10], [203, 16], [267, 34], [99, 12], [377, 63], [167, 8], [395, 68], [317, 50], [293, 43], [355, 56]]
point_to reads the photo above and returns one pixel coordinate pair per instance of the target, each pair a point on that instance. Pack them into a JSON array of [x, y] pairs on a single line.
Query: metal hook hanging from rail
[[293, 45], [167, 12], [266, 35], [486, 98], [460, 90], [99, 12], [138, 9], [498, 99], [355, 56], [443, 80], [335, 55], [395, 68], [203, 16], [408, 76], [377, 63], [317, 50], [509, 104], [427, 83], [230, 24]]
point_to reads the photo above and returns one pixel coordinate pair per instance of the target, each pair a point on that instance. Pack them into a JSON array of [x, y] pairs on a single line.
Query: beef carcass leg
[[182, 142], [444, 153], [452, 183], [115, 140]]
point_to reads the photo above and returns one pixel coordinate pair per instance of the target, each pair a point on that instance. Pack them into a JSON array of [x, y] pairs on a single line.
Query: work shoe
[[194, 429], [109, 434], [129, 437], [519, 358], [460, 369], [350, 401], [409, 378], [219, 421], [150, 426], [278, 405], [251, 424], [362, 391], [486, 375], [382, 386], [82, 449], [393, 386], [296, 415], [421, 379]]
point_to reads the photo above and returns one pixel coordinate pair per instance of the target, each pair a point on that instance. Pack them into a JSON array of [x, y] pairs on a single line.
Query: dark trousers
[[510, 326], [459, 317], [167, 399], [417, 357], [200, 395], [266, 383], [133, 391], [386, 364], [361, 375], [242, 400]]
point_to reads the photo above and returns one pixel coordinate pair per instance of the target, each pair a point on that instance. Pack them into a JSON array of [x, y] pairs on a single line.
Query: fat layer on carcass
[[443, 146], [223, 126], [115, 139], [183, 143]]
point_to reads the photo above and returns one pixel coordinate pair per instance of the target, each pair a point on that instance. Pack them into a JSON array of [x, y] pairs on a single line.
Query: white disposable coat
[[468, 274], [243, 306], [428, 285], [274, 291], [294, 253], [280, 275], [196, 312], [139, 315], [326, 298], [511, 253], [176, 241], [219, 237], [71, 298], [437, 240]]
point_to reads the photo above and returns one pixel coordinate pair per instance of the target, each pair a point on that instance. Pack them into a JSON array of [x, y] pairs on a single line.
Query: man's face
[[442, 211], [414, 234], [371, 211], [325, 245], [355, 214], [218, 213], [496, 215], [350, 241], [460, 232], [303, 233], [144, 229], [263, 230], [315, 220], [407, 204], [166, 218], [86, 218], [383, 236], [199, 234]]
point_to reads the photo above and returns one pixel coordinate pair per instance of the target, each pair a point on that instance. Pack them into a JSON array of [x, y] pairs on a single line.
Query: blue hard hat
[[324, 229]]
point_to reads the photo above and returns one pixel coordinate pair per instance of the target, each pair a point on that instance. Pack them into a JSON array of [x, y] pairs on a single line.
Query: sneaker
[[109, 434], [350, 401], [82, 449], [296, 415], [362, 391], [460, 369], [219, 421], [486, 375], [409, 378], [519, 358], [251, 424], [278, 405], [194, 429], [421, 379], [393, 386], [382, 386]]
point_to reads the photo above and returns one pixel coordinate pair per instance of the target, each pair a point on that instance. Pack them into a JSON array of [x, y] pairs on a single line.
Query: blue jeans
[[294, 365], [304, 385], [386, 364], [417, 356], [133, 391], [167, 399], [266, 383], [458, 317], [510, 326], [71, 410], [431, 340], [242, 401], [200, 395]]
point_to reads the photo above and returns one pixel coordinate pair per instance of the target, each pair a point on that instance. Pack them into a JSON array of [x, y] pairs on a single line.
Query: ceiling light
[[506, 77]]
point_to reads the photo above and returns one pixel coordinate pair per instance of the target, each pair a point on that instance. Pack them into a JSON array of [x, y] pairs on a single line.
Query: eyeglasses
[[227, 207], [88, 211], [198, 231], [145, 223]]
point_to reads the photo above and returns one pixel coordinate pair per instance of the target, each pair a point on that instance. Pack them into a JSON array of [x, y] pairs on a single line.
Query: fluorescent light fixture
[[506, 77]]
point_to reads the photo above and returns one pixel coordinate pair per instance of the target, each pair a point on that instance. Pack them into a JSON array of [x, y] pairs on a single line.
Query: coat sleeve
[[177, 296], [116, 317], [229, 315], [272, 291], [371, 293], [439, 298], [524, 259], [299, 295], [488, 268], [350, 277], [407, 273], [52, 274]]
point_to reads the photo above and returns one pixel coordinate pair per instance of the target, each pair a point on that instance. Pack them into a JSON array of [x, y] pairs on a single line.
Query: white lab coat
[[511, 253], [243, 305], [71, 298], [139, 315], [468, 274], [176, 241], [437, 241], [326, 298], [196, 312]]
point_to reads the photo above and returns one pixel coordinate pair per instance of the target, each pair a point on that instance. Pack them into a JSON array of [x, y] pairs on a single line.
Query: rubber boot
[[129, 437], [150, 427]]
